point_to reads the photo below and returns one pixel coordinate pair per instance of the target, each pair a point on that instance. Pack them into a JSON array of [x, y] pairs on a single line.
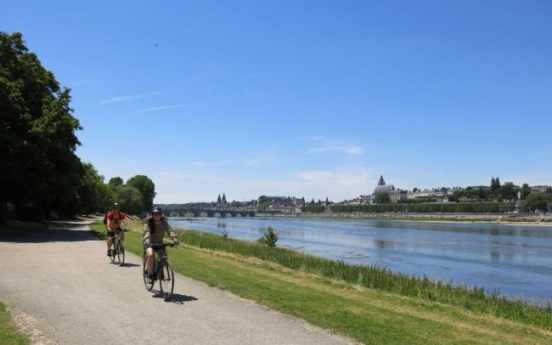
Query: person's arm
[[123, 220], [108, 223], [171, 232], [147, 234]]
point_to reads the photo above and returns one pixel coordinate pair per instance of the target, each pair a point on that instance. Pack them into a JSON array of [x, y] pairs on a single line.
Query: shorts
[[146, 246], [111, 233]]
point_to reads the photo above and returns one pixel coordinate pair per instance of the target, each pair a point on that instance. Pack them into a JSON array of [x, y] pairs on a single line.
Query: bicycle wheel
[[120, 251], [166, 280], [147, 283]]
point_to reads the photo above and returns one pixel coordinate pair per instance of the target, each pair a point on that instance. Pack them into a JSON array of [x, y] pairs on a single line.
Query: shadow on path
[[126, 265], [175, 298], [54, 231]]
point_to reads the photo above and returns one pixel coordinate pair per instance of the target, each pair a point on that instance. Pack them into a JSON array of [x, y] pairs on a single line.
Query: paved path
[[63, 280]]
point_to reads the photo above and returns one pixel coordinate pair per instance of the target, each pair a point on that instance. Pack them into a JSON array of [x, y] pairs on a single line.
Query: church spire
[[381, 181]]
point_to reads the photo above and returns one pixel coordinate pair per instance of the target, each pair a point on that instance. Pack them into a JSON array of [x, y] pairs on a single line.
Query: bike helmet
[[115, 205], [157, 209]]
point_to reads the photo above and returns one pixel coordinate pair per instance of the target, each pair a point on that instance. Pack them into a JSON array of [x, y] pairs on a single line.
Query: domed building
[[395, 195]]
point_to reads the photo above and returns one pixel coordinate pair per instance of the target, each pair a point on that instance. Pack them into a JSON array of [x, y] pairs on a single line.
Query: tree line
[[493, 199], [41, 176]]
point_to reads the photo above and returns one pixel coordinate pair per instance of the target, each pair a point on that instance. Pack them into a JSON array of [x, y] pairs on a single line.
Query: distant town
[[383, 194]]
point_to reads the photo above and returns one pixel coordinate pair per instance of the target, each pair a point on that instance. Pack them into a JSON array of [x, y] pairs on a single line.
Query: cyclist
[[114, 220], [155, 229]]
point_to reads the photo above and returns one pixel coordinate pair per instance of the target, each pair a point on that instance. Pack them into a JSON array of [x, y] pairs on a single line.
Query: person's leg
[[109, 241], [150, 254]]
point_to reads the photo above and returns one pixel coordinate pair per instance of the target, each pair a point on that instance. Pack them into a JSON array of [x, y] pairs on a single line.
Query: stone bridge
[[214, 212]]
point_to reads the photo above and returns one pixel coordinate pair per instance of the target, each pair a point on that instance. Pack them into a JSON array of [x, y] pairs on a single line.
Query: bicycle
[[118, 250], [162, 271]]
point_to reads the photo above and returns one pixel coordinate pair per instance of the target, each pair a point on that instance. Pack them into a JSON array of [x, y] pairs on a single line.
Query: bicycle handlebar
[[162, 245]]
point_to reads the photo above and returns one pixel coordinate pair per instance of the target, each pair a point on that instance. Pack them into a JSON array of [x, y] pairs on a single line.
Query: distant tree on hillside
[[525, 191], [537, 201], [382, 198]]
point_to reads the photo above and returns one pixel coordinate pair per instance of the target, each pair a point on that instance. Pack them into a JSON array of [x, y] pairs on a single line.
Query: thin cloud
[[204, 164], [334, 177], [127, 98], [160, 108], [330, 145], [351, 150], [264, 157]]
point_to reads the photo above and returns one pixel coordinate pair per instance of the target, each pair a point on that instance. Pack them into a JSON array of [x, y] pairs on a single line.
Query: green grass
[[9, 334], [370, 304], [336, 296], [475, 299]]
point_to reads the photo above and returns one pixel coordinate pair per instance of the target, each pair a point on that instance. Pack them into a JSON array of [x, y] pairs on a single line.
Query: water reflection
[[381, 244], [514, 260]]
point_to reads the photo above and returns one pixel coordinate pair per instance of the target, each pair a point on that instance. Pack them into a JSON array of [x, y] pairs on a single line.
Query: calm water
[[515, 260]]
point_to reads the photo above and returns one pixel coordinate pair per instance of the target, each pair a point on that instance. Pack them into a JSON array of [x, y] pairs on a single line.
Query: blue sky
[[311, 99]]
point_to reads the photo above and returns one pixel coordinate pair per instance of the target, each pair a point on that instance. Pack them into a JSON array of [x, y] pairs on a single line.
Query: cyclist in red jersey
[[114, 220]]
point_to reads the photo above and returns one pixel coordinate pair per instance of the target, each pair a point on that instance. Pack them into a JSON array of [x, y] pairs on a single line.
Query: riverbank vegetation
[[368, 304], [450, 208]]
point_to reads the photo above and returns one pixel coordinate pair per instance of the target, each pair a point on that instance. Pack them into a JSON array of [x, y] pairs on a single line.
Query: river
[[514, 260]]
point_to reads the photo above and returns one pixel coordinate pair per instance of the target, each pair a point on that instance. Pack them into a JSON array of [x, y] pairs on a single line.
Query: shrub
[[270, 237]]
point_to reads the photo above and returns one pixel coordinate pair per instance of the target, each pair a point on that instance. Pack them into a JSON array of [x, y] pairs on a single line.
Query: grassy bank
[[9, 333], [369, 305]]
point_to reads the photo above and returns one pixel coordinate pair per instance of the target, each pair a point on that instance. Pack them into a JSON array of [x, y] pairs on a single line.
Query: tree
[[146, 188], [269, 238], [129, 199], [525, 191], [481, 193], [509, 191], [94, 194], [115, 182], [40, 169], [382, 198], [537, 201]]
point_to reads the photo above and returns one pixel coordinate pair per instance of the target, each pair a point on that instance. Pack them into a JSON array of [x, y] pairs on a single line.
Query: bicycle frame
[[118, 246], [160, 256], [162, 271]]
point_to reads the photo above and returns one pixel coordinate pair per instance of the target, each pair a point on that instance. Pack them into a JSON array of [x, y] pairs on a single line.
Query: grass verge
[[9, 333], [301, 286]]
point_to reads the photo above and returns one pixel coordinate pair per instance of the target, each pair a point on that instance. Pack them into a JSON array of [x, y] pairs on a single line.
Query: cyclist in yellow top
[[114, 220], [154, 230]]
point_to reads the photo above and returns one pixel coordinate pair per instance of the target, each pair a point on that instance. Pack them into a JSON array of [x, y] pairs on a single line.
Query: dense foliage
[[146, 187], [462, 207], [40, 170], [313, 208], [41, 175]]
